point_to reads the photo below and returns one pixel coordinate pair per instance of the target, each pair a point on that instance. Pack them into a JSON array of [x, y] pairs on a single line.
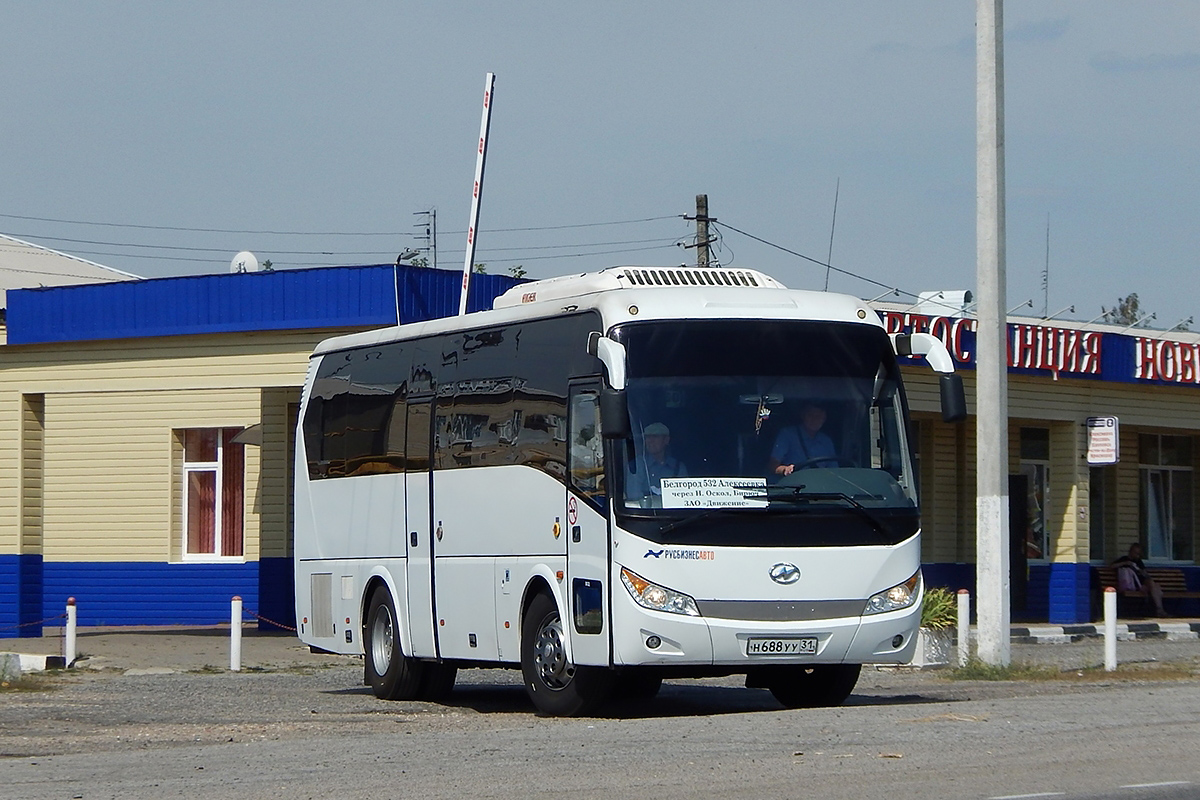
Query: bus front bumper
[[647, 638]]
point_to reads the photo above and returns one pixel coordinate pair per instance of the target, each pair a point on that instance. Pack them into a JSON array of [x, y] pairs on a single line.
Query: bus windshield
[[776, 431]]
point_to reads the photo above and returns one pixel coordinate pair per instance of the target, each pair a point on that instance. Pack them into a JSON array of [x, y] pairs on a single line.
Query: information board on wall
[[1103, 441]]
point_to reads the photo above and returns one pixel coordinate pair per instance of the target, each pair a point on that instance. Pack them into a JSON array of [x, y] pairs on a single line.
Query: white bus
[[613, 478]]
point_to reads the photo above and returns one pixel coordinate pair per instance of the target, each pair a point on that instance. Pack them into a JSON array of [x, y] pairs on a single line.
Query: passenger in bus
[[652, 463], [803, 446]]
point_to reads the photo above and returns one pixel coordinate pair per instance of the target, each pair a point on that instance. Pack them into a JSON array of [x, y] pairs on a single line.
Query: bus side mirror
[[954, 398], [611, 354], [614, 414]]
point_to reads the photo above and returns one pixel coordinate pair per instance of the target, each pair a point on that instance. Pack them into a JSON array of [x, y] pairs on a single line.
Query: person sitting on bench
[[1132, 576]]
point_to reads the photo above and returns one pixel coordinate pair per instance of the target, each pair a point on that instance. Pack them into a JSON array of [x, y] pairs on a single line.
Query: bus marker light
[[442, 622], [559, 575], [557, 528], [505, 623]]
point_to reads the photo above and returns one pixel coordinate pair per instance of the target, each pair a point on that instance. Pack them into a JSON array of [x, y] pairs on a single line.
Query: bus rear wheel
[[557, 687], [814, 685], [391, 674]]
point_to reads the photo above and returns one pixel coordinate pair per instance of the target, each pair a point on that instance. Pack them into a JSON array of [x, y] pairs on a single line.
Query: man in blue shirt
[[804, 445]]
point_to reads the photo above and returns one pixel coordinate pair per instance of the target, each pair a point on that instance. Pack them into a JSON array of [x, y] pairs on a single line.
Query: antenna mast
[[477, 192], [832, 227], [1046, 274]]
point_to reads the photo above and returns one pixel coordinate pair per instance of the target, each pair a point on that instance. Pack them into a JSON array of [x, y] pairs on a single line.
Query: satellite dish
[[244, 261]]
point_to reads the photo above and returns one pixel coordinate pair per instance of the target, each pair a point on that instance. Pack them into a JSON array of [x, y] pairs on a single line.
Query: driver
[[654, 464], [805, 445]]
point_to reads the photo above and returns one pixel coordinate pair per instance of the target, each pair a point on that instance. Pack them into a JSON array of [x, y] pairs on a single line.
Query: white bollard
[[1110, 629], [69, 637], [964, 627], [235, 635]]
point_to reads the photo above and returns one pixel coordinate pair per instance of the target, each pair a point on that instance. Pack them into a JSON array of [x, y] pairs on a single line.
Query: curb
[[13, 664], [1126, 632]]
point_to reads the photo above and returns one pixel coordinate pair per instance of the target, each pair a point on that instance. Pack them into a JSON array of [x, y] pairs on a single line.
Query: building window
[[1165, 498], [214, 469], [1035, 466]]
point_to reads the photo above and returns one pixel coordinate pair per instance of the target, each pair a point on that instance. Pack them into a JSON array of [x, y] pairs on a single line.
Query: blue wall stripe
[[20, 595], [140, 593]]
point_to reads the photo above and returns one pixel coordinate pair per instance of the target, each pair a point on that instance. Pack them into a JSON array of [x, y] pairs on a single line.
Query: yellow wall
[[948, 458], [106, 467]]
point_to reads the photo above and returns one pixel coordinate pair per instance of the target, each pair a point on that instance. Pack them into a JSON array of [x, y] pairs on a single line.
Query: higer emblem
[[785, 573]]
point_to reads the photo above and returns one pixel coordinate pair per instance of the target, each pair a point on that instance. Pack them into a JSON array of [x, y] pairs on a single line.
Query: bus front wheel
[[557, 687], [392, 675], [814, 685]]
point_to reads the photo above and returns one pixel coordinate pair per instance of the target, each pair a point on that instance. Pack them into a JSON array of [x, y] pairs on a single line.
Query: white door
[[418, 490], [587, 530]]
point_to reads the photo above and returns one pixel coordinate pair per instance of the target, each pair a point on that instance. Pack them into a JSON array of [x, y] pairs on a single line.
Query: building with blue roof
[[148, 430]]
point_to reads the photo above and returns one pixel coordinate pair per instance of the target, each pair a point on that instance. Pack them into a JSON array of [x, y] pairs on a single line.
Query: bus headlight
[[658, 598], [900, 596]]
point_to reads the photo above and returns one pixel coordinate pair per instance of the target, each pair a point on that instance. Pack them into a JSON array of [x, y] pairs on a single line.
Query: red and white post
[[477, 192]]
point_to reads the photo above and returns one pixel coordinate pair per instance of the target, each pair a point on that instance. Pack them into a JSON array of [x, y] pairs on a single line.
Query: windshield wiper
[[796, 494], [707, 514]]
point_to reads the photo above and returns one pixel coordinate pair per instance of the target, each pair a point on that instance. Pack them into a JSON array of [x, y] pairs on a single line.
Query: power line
[[324, 233], [813, 260], [328, 252], [386, 255]]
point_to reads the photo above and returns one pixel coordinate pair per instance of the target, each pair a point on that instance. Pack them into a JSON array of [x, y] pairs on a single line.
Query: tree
[[479, 269], [517, 271], [1125, 312]]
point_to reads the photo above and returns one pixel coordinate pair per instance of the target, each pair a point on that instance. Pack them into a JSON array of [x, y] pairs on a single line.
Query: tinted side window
[[500, 398], [346, 424], [508, 401]]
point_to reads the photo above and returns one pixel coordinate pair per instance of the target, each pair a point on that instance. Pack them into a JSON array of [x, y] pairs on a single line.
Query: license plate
[[806, 645]]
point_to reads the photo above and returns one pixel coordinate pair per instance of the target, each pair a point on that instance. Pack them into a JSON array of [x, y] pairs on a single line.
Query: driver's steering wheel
[[813, 462]]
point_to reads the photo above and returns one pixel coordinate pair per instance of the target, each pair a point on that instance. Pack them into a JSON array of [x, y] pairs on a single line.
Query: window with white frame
[[1165, 496], [214, 469], [1035, 466]]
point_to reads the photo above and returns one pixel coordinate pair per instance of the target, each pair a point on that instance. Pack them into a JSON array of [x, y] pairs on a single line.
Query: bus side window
[[586, 453]]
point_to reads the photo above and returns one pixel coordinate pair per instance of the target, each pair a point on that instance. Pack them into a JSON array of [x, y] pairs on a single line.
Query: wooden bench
[[1171, 579]]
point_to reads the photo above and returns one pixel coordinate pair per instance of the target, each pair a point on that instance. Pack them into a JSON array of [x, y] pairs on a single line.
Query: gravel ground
[[151, 715]]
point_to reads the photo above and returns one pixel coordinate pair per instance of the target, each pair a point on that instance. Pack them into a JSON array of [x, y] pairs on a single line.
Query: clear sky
[[330, 119]]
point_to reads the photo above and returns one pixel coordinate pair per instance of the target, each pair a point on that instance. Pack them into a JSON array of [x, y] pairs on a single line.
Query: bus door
[[586, 515], [418, 509]]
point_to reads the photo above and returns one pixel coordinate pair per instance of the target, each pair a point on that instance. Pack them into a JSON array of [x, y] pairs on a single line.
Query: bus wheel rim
[[550, 655], [381, 641]]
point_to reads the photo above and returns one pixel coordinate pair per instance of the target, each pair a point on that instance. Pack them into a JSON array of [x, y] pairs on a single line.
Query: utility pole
[[430, 235], [702, 230], [991, 401]]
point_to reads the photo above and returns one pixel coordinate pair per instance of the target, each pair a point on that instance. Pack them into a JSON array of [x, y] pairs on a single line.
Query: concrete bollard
[[69, 650], [1110, 629], [235, 635], [964, 627]]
